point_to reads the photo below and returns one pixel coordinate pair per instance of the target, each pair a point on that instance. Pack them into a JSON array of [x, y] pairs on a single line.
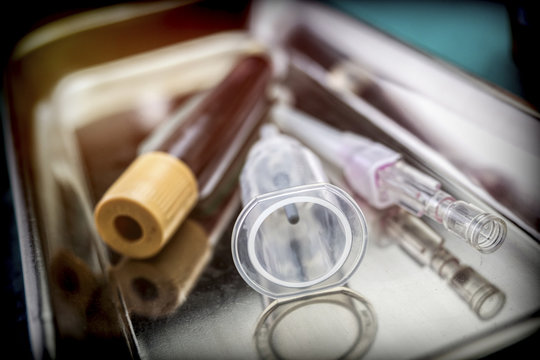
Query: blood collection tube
[[143, 208]]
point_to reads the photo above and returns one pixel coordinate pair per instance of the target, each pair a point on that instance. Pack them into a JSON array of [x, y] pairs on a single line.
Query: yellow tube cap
[[143, 208]]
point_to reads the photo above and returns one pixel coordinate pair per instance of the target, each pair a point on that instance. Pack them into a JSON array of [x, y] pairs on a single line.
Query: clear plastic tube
[[296, 233], [342, 71], [421, 195], [383, 178]]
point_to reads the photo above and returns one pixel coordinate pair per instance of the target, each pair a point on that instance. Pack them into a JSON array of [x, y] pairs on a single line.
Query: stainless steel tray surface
[[84, 123]]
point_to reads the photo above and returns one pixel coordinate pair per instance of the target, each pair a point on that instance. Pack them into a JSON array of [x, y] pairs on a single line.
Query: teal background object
[[475, 36]]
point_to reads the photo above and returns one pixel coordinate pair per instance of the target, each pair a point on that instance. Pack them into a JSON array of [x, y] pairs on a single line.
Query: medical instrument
[[297, 233], [383, 178]]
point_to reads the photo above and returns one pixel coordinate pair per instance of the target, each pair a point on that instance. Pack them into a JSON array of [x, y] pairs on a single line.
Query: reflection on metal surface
[[85, 307], [426, 247], [87, 20], [73, 285], [342, 71], [156, 286], [72, 277], [331, 324]]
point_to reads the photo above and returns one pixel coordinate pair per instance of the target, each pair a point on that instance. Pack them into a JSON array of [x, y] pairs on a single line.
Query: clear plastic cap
[[297, 233], [320, 250], [278, 162]]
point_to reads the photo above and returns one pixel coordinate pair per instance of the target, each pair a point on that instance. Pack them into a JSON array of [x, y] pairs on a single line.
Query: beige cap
[[144, 207], [72, 279]]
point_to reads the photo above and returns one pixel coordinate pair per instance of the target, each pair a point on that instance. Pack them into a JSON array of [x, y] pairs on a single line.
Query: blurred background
[[493, 40]]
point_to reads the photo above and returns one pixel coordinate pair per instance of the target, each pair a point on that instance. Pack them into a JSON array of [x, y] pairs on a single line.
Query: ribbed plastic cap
[[142, 209]]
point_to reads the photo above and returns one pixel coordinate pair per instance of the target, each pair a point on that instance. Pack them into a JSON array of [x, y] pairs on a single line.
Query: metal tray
[[69, 76]]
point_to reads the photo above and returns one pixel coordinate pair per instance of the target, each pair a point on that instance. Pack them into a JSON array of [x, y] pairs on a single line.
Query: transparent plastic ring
[[296, 200], [320, 250], [361, 321]]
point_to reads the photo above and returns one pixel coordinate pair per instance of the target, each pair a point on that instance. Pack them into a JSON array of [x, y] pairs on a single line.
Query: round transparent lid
[[299, 240]]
